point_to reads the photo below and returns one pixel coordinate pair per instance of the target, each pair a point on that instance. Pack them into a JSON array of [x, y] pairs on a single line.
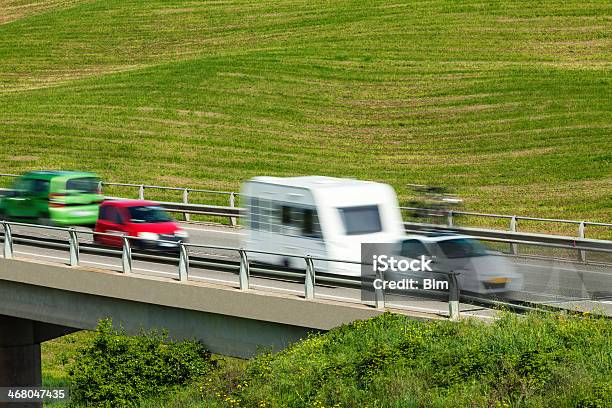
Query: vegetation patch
[[536, 360], [116, 370], [391, 361]]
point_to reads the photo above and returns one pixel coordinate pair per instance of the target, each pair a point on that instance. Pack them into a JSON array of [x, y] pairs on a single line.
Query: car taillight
[[55, 200]]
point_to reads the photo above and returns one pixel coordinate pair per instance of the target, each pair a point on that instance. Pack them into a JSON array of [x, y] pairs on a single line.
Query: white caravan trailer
[[318, 216]]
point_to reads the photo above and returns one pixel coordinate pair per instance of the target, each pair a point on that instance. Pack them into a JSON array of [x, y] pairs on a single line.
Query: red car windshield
[[148, 214]]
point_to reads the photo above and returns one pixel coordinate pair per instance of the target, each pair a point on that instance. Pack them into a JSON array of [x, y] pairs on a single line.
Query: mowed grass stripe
[[13, 10]]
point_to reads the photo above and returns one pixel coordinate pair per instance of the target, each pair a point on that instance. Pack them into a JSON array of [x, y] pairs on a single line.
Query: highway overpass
[[43, 298]]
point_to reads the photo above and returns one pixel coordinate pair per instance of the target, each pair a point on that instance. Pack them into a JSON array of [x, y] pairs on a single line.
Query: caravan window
[[300, 221], [310, 227], [361, 220], [281, 218], [254, 213], [263, 215], [287, 215]]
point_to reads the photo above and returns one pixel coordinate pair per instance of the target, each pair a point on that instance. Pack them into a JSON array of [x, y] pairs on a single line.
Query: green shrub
[[117, 370], [537, 360]]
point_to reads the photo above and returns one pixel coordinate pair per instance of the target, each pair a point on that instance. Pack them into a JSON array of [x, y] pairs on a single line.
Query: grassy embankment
[[507, 102], [391, 361]]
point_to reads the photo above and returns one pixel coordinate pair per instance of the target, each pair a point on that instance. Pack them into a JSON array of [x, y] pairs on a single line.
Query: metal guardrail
[[581, 245], [310, 275], [202, 209], [232, 201], [513, 237], [192, 209], [513, 219]]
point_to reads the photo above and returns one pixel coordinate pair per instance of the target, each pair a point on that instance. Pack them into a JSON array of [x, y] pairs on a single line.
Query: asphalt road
[[562, 284]]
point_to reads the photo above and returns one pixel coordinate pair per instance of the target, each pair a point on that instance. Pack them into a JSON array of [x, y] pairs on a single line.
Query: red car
[[138, 218]]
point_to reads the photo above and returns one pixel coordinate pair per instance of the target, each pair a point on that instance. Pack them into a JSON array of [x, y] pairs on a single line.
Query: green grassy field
[[507, 102]]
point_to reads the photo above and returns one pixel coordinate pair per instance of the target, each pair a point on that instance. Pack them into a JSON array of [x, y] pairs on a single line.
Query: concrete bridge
[[41, 301]]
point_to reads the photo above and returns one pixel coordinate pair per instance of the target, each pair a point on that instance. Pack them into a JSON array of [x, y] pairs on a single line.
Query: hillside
[[507, 102]]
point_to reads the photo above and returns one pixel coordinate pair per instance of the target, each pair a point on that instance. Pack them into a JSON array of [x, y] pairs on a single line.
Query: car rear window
[[412, 248], [148, 214], [361, 220], [462, 248], [83, 185]]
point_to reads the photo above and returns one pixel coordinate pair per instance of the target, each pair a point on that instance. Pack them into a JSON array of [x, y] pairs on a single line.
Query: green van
[[54, 198]]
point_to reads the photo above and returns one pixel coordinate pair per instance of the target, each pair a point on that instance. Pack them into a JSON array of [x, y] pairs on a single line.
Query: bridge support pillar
[[20, 353], [19, 356]]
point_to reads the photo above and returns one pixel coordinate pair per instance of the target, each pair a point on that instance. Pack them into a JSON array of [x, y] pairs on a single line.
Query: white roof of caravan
[[312, 182]]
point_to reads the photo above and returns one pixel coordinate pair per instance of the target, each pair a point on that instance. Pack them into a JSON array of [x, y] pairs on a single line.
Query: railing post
[[141, 192], [183, 263], [582, 252], [379, 294], [232, 204], [8, 241], [513, 247], [74, 247], [186, 201], [244, 270], [449, 218], [453, 297], [126, 256], [309, 283]]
